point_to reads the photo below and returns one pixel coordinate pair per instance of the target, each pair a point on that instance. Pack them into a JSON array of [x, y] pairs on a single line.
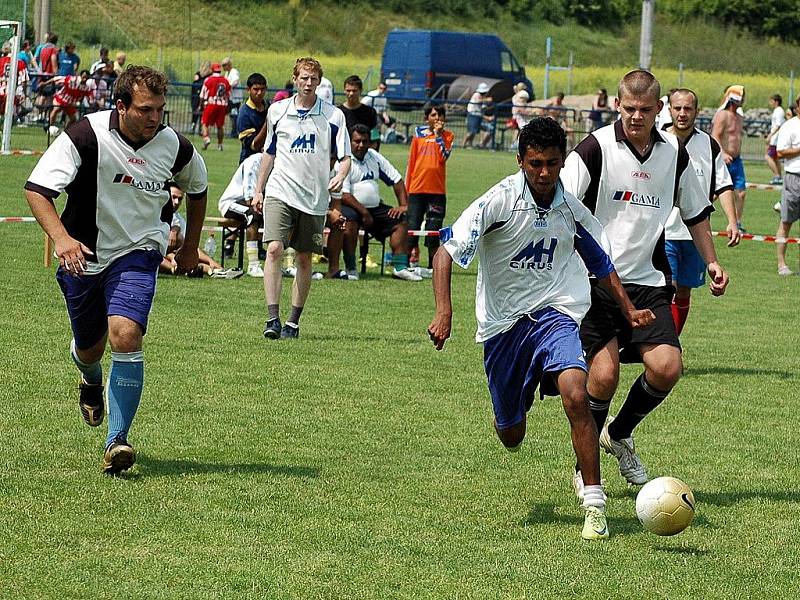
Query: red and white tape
[[23, 153], [760, 238], [17, 220]]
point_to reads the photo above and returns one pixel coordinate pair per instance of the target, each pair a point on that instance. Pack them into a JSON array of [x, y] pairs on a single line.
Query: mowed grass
[[357, 462]]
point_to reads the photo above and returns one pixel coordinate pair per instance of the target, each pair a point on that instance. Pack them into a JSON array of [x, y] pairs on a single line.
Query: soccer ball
[[665, 506], [53, 130]]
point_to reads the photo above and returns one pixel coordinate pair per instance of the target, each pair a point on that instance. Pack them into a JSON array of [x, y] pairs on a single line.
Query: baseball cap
[[482, 88], [216, 67]]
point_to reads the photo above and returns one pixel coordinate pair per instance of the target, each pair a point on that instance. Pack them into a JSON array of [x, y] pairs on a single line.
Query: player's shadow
[[729, 498], [721, 370], [157, 467], [550, 513], [690, 550]]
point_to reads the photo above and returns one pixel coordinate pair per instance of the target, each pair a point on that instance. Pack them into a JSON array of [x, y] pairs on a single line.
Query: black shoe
[[228, 248], [91, 403], [119, 456], [272, 329], [290, 331]]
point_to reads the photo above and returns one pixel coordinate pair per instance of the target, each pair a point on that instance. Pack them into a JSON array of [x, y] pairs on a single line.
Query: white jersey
[[325, 90], [118, 198], [778, 118], [789, 137], [362, 180], [633, 195], [242, 185], [706, 157], [303, 143], [528, 255]]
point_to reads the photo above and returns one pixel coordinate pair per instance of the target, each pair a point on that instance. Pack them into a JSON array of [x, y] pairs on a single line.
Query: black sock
[[273, 312], [641, 401], [599, 410], [295, 316]]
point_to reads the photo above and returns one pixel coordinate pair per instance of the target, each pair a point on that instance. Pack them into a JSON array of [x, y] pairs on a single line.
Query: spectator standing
[[426, 180], [48, 64], [68, 60], [100, 63], [234, 78], [489, 122], [26, 55], [788, 149], [777, 119], [215, 95], [304, 134], [119, 63], [475, 113], [727, 127], [325, 90], [252, 116], [354, 111], [520, 110], [285, 92], [197, 86], [599, 109]]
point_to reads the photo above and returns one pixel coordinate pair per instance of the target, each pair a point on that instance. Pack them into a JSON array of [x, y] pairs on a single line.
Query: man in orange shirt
[[426, 183]]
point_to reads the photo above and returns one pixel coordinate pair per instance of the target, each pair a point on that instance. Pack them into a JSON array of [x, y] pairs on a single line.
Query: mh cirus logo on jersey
[[535, 256], [304, 143]]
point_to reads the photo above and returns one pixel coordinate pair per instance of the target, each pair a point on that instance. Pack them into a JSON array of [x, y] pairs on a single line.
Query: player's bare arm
[[440, 327], [726, 200], [701, 236], [401, 194], [70, 252], [637, 318], [336, 182], [264, 170], [187, 255]]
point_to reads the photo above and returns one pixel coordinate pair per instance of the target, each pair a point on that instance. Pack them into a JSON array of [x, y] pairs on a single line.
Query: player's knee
[[275, 250], [663, 376], [575, 404], [302, 260], [125, 335], [511, 437]]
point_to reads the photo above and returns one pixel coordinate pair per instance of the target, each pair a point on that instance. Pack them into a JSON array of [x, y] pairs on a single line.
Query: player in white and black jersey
[[535, 242], [630, 176], [685, 262], [111, 237]]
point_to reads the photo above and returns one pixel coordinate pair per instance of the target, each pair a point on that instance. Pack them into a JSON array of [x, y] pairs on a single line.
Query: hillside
[[190, 27]]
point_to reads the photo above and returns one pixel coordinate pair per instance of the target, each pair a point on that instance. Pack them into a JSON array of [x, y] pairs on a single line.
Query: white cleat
[[406, 275], [630, 465], [255, 271]]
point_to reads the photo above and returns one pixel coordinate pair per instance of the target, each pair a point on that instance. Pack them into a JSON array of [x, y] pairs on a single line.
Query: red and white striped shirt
[[73, 89]]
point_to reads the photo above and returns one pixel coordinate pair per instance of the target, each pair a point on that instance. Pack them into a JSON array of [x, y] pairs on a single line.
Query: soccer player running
[[304, 136], [531, 294], [630, 176], [112, 236], [685, 262]]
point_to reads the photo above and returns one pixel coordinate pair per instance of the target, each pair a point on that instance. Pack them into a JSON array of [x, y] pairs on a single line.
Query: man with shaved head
[[630, 175]]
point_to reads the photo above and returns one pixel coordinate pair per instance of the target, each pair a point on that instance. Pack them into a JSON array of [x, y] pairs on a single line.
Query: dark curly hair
[[542, 133], [153, 80]]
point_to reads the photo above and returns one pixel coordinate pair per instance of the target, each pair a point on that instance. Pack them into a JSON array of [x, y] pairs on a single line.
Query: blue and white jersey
[[530, 257], [242, 185], [362, 180], [303, 144]]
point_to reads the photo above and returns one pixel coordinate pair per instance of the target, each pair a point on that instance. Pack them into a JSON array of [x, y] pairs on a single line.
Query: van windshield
[[509, 63]]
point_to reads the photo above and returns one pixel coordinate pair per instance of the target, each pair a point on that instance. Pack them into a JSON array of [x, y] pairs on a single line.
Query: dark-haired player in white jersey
[[112, 235], [685, 262], [535, 242], [630, 176]]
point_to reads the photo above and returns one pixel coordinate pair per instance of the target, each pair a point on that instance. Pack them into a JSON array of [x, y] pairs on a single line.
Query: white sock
[[252, 254], [593, 496]]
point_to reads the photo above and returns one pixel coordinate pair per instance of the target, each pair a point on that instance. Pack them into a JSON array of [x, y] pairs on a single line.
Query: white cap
[[482, 88]]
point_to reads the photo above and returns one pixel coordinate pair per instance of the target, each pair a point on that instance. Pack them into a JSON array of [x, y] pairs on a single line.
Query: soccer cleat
[[226, 273], [196, 273], [777, 180], [776, 207], [289, 271], [317, 275], [119, 456], [272, 329], [595, 526], [290, 331], [630, 465], [255, 271], [91, 403], [423, 272], [784, 271], [406, 275], [206, 143], [352, 275], [339, 275]]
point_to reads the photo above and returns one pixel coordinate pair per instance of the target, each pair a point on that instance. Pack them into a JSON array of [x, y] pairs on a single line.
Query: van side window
[[507, 62]]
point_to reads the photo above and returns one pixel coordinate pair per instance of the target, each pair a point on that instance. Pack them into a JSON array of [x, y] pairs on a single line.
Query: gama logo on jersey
[[648, 200], [147, 186], [304, 143], [535, 256]]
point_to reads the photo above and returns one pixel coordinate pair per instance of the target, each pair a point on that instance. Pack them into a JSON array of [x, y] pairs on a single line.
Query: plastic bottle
[[387, 258], [210, 246]]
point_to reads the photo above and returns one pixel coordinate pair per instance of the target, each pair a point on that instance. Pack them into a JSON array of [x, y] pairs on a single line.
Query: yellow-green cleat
[[594, 524]]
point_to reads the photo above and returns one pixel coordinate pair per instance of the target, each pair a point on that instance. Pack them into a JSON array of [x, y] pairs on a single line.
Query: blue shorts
[[474, 123], [736, 169], [125, 288], [687, 266], [517, 360]]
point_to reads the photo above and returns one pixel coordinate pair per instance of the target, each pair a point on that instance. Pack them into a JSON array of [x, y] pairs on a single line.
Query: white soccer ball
[[53, 130], [665, 506]]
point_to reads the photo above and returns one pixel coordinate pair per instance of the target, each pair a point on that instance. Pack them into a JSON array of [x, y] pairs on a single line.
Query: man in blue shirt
[[68, 60], [252, 115]]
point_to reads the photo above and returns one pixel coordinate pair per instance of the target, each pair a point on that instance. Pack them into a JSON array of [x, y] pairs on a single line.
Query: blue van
[[419, 64]]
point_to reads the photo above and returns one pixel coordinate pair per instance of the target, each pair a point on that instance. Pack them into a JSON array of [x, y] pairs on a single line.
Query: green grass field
[[359, 463]]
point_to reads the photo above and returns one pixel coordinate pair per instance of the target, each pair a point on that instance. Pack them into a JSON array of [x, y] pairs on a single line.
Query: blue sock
[[400, 261], [92, 373], [124, 391]]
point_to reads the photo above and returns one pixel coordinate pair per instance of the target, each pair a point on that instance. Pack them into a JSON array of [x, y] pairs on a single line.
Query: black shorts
[[430, 207], [604, 321], [382, 224]]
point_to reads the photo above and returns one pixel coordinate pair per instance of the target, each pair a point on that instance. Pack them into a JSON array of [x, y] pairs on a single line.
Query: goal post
[[15, 28]]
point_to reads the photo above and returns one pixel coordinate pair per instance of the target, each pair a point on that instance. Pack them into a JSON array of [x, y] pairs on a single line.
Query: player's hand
[[72, 255], [366, 219], [336, 220], [439, 330], [640, 318], [257, 203], [335, 185], [719, 279], [727, 158], [734, 235], [397, 212], [186, 259], [438, 127]]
